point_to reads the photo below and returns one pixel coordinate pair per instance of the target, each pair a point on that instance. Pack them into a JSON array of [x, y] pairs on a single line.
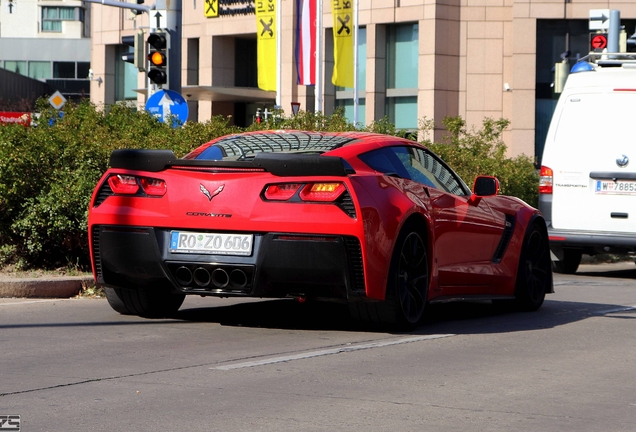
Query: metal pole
[[124, 5], [279, 51], [355, 63], [614, 32], [318, 88]]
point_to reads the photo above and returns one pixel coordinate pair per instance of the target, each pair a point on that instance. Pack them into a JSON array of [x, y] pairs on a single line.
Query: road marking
[[614, 310], [324, 352], [31, 301]]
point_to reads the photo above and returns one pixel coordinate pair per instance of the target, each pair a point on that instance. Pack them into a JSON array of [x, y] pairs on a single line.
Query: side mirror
[[486, 186]]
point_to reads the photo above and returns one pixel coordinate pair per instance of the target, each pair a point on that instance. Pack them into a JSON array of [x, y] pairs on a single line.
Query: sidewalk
[[44, 287]]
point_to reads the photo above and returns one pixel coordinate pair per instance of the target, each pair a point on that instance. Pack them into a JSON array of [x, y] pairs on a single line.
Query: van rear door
[[594, 163]]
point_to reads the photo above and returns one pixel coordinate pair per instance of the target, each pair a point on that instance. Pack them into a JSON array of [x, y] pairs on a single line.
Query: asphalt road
[[75, 365]]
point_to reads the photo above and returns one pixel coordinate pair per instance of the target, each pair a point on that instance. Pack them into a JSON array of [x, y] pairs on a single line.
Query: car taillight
[[153, 187], [129, 185], [281, 192], [545, 180], [123, 184], [322, 192]]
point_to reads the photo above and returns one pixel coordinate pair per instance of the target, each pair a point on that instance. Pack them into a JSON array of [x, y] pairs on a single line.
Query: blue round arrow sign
[[166, 104]]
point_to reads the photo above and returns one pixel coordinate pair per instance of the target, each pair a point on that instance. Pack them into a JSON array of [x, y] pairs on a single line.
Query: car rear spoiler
[[278, 164]]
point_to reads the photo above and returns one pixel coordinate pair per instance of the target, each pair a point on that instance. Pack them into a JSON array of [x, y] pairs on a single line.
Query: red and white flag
[[306, 42]]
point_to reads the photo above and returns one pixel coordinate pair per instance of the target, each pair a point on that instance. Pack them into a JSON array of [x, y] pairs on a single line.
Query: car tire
[[113, 295], [570, 262], [407, 285], [144, 302], [534, 275]]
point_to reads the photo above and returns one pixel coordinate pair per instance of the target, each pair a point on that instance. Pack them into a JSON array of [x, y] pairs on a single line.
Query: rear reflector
[[153, 187], [553, 238], [123, 184], [546, 177], [281, 192]]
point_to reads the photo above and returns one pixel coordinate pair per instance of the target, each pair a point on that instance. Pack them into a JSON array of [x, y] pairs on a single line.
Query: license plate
[[211, 243], [615, 188]]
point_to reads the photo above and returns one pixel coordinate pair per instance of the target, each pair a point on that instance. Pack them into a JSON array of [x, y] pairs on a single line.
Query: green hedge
[[48, 172]]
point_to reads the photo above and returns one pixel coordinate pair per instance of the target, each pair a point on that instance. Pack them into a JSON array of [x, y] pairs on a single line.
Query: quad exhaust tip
[[218, 278]]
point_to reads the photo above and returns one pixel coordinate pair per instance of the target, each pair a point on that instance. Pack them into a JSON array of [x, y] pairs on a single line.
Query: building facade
[[417, 59], [48, 41]]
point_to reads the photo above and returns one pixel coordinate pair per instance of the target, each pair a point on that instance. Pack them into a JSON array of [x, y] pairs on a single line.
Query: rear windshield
[[239, 147]]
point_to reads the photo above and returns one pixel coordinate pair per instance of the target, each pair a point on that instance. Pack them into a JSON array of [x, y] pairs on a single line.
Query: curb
[[51, 287]]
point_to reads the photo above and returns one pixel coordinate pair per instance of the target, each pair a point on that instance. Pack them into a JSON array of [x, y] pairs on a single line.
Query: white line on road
[[614, 310], [33, 301], [324, 352]]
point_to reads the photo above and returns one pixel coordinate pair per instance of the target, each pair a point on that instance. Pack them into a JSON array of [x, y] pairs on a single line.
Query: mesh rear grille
[[505, 239], [104, 192], [354, 252], [96, 251], [345, 203]]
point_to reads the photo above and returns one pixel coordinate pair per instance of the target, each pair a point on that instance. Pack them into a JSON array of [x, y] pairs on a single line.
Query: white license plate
[[211, 243], [615, 188]]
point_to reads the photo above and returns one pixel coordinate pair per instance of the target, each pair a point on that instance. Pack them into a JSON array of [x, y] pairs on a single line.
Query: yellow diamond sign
[[56, 100]]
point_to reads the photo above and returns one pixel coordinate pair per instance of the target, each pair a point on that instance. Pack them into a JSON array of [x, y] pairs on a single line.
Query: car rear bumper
[[592, 242], [325, 266]]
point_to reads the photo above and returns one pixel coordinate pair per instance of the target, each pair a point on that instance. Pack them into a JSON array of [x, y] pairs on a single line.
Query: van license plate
[[615, 188], [211, 243]]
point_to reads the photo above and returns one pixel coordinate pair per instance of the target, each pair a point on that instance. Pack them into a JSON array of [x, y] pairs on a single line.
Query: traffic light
[[135, 12], [598, 41], [158, 44], [137, 57]]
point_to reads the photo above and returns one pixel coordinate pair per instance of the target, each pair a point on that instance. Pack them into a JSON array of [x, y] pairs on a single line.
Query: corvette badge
[[207, 192]]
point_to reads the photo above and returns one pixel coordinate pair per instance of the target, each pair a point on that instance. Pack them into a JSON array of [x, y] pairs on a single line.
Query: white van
[[587, 190]]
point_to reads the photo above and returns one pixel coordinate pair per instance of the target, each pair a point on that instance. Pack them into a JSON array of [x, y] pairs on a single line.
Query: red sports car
[[375, 221]]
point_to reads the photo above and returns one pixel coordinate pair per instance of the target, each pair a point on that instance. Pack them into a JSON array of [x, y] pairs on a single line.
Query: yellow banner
[[342, 11], [266, 44]]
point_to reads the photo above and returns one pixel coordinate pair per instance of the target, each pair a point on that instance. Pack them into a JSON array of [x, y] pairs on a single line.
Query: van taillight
[[545, 180]]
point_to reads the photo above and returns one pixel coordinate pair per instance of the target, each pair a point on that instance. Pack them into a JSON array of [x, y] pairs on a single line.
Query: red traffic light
[[598, 41]]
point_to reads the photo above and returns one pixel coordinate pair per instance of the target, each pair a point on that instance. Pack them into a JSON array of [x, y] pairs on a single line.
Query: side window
[[431, 166], [384, 160], [211, 153], [415, 164]]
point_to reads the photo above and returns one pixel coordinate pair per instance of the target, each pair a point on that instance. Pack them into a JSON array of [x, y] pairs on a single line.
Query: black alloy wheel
[[412, 278]]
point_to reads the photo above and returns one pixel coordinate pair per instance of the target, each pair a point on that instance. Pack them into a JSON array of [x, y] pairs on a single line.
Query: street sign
[[56, 100], [165, 103], [598, 41], [158, 19], [599, 19]]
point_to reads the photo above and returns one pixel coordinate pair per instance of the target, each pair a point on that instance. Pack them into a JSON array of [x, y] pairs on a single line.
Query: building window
[[52, 17], [402, 75], [245, 63], [64, 70], [125, 77], [19, 67], [40, 70], [82, 70], [344, 96]]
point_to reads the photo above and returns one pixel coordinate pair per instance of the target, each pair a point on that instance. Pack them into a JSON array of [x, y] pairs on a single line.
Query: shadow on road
[[457, 318]]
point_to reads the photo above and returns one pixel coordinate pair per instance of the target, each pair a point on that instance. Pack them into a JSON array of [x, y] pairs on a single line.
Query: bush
[[48, 172]]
